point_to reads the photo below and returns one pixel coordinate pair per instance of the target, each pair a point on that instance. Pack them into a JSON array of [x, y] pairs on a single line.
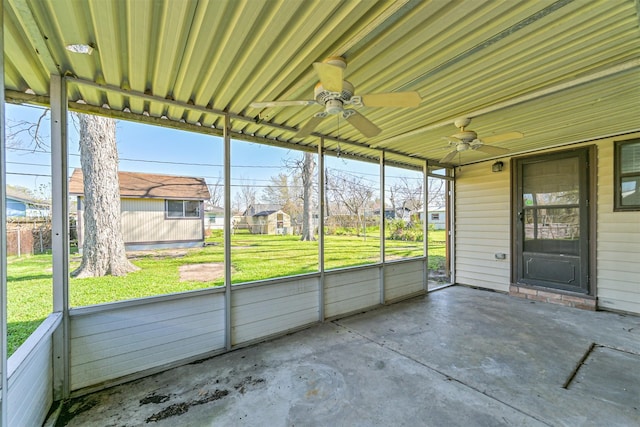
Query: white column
[[3, 238], [227, 230], [321, 207], [425, 223], [60, 234], [382, 228]]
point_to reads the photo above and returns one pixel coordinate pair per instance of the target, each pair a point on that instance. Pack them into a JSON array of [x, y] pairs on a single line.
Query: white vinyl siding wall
[[402, 279], [144, 220], [265, 310], [618, 243], [115, 342], [121, 341], [30, 381], [482, 226], [351, 291]]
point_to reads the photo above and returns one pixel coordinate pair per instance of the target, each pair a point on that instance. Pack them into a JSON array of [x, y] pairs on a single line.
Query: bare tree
[[103, 251], [246, 197], [436, 192], [352, 193], [278, 191], [216, 192]]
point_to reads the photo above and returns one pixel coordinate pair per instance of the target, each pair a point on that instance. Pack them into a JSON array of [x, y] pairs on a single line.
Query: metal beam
[[425, 223], [382, 232], [60, 234], [3, 239], [227, 231], [321, 207]]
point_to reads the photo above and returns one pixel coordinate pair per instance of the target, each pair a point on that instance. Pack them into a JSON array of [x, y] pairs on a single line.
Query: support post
[[3, 238], [425, 223], [321, 207], [60, 235], [382, 229], [227, 230]]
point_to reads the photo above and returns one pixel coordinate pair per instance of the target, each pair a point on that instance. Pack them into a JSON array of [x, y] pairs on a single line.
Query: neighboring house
[[260, 207], [270, 222], [390, 213], [20, 204], [437, 217], [213, 218], [158, 211]]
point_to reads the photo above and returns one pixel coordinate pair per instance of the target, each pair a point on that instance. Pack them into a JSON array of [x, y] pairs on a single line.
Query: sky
[[151, 149]]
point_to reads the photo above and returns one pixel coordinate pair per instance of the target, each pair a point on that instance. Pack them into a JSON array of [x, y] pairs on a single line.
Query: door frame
[[592, 173]]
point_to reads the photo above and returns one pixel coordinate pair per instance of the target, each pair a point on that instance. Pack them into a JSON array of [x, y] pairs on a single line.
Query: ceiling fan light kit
[[334, 93]]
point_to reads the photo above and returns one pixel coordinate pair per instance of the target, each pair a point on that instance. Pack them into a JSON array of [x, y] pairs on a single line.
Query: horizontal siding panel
[[30, 387], [621, 247], [485, 254], [274, 325], [347, 277], [486, 283], [110, 344], [143, 220], [350, 291], [477, 226], [615, 304], [120, 318], [109, 369], [618, 243], [261, 311], [403, 279], [620, 257], [344, 292], [351, 305], [616, 237], [628, 283]]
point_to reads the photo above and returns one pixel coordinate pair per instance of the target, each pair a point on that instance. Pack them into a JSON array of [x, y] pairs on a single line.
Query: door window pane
[[549, 183]]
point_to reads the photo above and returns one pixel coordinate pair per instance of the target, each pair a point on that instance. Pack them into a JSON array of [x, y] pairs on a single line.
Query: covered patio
[[527, 110], [458, 357]]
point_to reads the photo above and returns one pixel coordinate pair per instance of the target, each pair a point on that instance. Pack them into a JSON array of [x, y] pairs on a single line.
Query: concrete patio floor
[[456, 357]]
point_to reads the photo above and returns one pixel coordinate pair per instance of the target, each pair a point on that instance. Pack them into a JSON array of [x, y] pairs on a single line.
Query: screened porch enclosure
[[453, 97]]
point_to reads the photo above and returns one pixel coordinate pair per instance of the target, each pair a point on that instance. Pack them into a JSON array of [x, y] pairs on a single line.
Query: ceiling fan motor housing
[[333, 101], [466, 136]]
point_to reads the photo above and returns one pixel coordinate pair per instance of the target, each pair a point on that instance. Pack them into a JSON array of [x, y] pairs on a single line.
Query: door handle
[[521, 216]]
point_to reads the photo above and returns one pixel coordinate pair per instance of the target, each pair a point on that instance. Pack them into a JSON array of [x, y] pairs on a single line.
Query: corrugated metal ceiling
[[557, 71]]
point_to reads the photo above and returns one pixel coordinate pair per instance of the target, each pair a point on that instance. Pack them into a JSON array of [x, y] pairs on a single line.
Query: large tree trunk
[[103, 249], [307, 188]]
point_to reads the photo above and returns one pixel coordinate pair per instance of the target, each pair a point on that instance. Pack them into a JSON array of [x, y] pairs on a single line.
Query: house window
[[182, 208], [435, 217], [280, 221], [627, 176]]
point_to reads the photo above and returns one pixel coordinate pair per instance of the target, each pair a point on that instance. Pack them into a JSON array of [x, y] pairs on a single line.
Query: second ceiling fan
[[334, 94], [466, 139]]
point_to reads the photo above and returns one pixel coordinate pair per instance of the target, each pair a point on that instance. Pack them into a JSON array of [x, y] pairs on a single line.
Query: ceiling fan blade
[[269, 104], [490, 149], [311, 124], [331, 76], [360, 122], [502, 137], [449, 157], [393, 99]]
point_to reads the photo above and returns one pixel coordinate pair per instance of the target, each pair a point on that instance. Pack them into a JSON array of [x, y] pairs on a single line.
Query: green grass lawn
[[254, 257]]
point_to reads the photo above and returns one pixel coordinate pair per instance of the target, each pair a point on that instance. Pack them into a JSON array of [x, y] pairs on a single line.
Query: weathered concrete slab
[[455, 357]]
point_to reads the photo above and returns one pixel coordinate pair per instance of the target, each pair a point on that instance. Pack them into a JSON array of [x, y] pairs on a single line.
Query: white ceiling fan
[[468, 140], [334, 94]]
